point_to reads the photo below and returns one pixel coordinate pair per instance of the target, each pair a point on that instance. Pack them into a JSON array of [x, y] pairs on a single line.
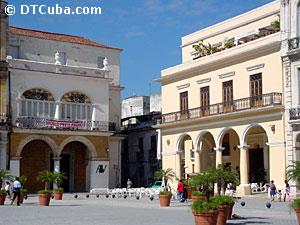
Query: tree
[[47, 177], [166, 176], [293, 172]]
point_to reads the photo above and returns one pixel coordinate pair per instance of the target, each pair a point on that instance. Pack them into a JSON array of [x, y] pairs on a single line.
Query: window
[[227, 95], [100, 64], [192, 154], [141, 144], [204, 98], [256, 89], [14, 52], [184, 103], [226, 145]]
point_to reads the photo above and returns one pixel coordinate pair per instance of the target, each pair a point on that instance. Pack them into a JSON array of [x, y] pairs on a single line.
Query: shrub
[[165, 193], [295, 203], [2, 192], [204, 206], [222, 200], [197, 193], [45, 192], [58, 190]]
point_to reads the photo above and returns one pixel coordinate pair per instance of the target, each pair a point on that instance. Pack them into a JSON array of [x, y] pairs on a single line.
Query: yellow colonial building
[[223, 104]]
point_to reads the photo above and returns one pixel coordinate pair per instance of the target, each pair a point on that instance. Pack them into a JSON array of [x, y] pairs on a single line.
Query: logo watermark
[[52, 10]]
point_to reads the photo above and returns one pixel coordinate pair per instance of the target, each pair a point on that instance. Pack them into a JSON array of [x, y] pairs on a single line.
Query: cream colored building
[[225, 106]]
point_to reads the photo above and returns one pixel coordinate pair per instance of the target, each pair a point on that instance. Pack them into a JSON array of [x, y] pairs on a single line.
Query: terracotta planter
[[165, 200], [189, 193], [44, 199], [297, 211], [208, 218], [198, 198], [222, 216], [2, 199], [58, 195], [230, 208]]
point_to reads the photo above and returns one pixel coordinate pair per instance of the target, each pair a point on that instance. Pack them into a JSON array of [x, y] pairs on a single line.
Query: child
[[279, 195], [287, 191], [7, 188]]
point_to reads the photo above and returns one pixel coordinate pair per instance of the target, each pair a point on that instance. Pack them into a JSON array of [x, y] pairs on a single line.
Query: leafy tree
[[47, 177], [166, 175]]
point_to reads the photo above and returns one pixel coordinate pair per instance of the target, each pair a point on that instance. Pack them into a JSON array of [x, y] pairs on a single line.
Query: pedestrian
[[180, 190], [279, 195], [287, 191], [129, 184], [7, 188], [272, 190], [16, 191]]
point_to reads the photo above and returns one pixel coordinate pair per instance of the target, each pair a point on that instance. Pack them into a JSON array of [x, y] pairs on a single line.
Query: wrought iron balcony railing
[[294, 43], [225, 107], [44, 123], [295, 114]]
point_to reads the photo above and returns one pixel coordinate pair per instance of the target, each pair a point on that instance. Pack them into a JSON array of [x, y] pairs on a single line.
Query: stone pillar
[[159, 147], [93, 117], [15, 166], [197, 161], [3, 31], [3, 150], [56, 168], [178, 164], [57, 111], [244, 188], [266, 161], [219, 156]]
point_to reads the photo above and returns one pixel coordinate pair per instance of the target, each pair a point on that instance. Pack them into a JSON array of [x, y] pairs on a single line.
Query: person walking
[[16, 191], [272, 190], [287, 190], [7, 189], [180, 190]]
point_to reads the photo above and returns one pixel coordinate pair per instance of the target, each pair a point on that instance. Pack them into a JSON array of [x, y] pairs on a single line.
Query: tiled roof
[[57, 37]]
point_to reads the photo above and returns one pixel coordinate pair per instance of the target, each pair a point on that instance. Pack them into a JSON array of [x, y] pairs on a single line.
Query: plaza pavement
[[102, 211]]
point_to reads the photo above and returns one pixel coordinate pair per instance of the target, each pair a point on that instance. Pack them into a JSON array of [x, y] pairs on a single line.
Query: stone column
[[197, 161], [266, 161], [159, 148], [56, 168], [244, 188], [57, 111], [15, 166], [219, 156], [93, 117], [178, 164]]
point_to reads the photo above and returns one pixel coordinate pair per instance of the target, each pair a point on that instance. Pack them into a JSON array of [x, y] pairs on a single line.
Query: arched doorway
[[258, 154], [185, 150], [74, 160], [229, 141], [35, 157], [206, 146]]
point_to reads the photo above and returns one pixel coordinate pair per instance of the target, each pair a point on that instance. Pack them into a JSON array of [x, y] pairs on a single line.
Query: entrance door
[[65, 168], [256, 164], [204, 97], [228, 96], [256, 90], [184, 105]]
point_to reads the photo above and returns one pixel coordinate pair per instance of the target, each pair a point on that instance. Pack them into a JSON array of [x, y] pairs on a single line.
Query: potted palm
[[224, 203], [165, 195], [195, 184], [3, 175], [2, 196], [23, 191], [58, 177], [205, 212], [293, 173], [45, 195]]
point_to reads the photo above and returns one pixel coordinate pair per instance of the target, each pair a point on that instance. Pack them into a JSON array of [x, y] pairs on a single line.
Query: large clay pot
[[189, 193], [44, 199], [222, 216], [165, 200], [58, 195], [198, 198], [2, 199], [297, 210], [230, 208], [208, 218]]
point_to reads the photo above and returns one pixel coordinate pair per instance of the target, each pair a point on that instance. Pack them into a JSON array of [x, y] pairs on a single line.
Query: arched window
[[37, 103], [76, 106]]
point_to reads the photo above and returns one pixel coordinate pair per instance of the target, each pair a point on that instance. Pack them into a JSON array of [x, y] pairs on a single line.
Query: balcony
[[36, 114], [293, 43], [225, 108]]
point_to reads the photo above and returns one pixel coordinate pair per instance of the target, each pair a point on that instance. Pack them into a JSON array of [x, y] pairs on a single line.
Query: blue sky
[[149, 31]]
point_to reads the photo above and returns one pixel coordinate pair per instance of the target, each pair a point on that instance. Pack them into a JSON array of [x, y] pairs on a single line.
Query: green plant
[[4, 175], [224, 176], [204, 206], [58, 190], [293, 172], [165, 193], [59, 177], [229, 43], [295, 204], [166, 176], [276, 24], [45, 192], [2, 192], [47, 177], [24, 191], [256, 36], [222, 199], [22, 180], [197, 193]]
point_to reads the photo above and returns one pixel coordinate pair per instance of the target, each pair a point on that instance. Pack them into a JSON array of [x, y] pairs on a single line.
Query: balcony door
[[256, 90], [228, 96], [204, 98], [184, 105]]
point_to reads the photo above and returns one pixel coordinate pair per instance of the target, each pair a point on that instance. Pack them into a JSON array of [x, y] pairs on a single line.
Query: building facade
[[65, 101], [290, 23], [140, 147], [223, 103]]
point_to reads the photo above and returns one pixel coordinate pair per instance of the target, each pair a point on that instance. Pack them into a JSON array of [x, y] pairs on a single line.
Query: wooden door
[[204, 98], [184, 105], [256, 90], [228, 96]]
